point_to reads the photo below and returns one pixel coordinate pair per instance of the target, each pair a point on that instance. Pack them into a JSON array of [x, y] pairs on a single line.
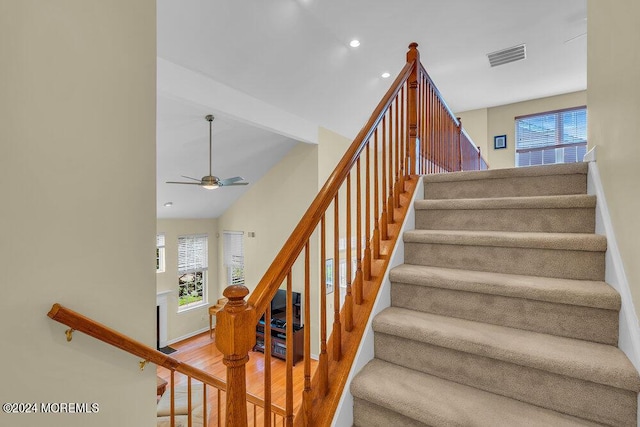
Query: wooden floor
[[201, 352]]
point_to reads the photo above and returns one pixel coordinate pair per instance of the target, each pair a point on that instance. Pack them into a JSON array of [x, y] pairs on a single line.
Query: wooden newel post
[[412, 109], [235, 337]]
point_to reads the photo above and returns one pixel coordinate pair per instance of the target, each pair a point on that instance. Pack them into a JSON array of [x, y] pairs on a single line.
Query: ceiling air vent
[[504, 56]]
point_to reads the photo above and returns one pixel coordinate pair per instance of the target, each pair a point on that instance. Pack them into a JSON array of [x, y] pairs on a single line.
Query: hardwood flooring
[[201, 352]]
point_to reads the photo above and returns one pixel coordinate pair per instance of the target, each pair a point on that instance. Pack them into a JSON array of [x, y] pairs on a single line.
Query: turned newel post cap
[[413, 53], [235, 293]]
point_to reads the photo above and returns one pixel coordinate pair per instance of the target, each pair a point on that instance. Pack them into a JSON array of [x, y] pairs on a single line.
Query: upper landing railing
[[350, 228]]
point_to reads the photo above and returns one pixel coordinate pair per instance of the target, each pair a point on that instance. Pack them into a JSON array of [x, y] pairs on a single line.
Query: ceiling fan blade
[[188, 183], [236, 183], [230, 181], [188, 177]]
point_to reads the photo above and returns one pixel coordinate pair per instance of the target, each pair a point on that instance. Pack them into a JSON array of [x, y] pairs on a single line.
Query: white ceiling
[[294, 55]]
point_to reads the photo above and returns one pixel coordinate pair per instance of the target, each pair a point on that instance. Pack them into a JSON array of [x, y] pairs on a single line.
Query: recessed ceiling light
[[354, 43], [385, 75], [168, 204]]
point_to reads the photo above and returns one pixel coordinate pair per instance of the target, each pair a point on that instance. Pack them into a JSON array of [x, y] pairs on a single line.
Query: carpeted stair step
[[546, 180], [590, 380], [386, 394], [587, 310], [563, 255], [553, 214]]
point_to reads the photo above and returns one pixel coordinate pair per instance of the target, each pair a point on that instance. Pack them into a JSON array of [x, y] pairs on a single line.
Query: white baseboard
[[629, 339], [189, 335], [344, 412]]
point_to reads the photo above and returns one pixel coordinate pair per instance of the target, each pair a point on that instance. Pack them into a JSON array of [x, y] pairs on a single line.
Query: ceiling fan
[[211, 182]]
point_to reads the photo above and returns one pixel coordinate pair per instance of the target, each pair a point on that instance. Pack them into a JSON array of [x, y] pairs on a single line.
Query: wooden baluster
[[358, 279], [403, 142], [376, 198], [431, 153], [323, 372], [390, 196], [306, 394], [173, 398], [423, 125], [398, 178], [204, 401], [337, 326], [219, 412], [384, 231], [235, 325], [457, 139], [438, 137], [289, 353], [348, 299], [267, 366], [366, 264], [189, 406], [459, 143], [452, 144], [412, 108]]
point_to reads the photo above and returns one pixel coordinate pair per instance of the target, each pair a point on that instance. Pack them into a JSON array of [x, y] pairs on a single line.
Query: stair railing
[[410, 133], [192, 377]]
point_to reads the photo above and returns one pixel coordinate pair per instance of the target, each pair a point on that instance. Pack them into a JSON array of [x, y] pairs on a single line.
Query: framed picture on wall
[[499, 142]]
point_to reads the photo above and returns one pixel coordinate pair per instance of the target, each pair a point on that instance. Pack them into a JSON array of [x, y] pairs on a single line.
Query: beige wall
[[185, 323], [614, 125], [501, 121], [331, 148], [77, 177], [475, 123], [271, 208]]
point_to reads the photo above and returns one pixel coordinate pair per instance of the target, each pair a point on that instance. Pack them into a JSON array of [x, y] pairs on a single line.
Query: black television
[[279, 308]]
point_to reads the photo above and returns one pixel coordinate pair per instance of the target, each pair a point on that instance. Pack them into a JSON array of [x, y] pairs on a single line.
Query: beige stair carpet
[[500, 315]]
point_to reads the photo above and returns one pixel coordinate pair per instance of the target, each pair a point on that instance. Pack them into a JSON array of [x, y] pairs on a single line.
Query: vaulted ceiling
[[271, 71]]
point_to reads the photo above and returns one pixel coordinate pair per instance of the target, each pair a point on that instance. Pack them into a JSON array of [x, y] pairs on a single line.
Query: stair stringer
[[365, 353], [629, 329]]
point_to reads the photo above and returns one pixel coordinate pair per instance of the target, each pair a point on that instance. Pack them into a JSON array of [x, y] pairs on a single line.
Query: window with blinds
[[159, 253], [233, 249], [192, 271], [551, 137]]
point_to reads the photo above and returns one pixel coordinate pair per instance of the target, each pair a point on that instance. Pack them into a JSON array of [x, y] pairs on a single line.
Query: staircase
[[500, 316]]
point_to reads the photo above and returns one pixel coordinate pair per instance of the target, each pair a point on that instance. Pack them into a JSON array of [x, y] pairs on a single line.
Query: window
[[553, 137], [234, 257], [192, 271], [159, 253]]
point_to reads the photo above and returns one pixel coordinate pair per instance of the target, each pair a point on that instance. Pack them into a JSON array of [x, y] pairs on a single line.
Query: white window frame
[[160, 253], [193, 258], [233, 252], [550, 141]]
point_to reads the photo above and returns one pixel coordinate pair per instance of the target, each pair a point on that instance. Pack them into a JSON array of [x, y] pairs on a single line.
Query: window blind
[[233, 249], [552, 137], [192, 253]]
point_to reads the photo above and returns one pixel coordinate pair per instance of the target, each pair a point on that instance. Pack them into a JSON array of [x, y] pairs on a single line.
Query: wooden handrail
[[284, 260], [78, 322]]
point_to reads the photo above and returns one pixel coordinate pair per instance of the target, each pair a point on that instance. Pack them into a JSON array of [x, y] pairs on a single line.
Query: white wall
[[614, 109], [187, 323], [77, 178]]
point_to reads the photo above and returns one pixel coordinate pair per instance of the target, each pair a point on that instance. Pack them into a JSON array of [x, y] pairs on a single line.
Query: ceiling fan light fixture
[[210, 182]]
